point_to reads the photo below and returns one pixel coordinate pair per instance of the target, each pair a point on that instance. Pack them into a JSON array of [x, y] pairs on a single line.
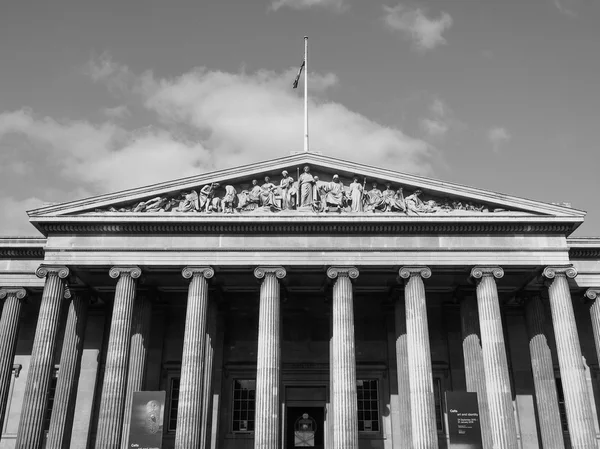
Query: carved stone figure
[[189, 202], [254, 194], [267, 193], [335, 193], [415, 205], [375, 199], [228, 202], [318, 196], [286, 189], [206, 195], [356, 195], [394, 201], [305, 187]]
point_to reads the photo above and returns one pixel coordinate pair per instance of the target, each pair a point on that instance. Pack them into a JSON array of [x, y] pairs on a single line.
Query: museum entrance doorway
[[305, 416], [305, 427]]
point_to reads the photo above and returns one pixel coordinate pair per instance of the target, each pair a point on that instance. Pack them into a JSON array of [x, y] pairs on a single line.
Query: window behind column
[[561, 405], [173, 401], [244, 401], [367, 392], [439, 406], [50, 399]]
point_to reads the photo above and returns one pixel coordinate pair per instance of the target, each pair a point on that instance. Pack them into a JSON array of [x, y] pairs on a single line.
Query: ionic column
[[422, 410], [403, 371], [345, 405], [189, 412], [138, 351], [495, 364], [593, 294], [207, 392], [31, 423], [268, 363], [474, 367], [9, 331], [112, 402], [543, 376], [572, 372], [61, 421]]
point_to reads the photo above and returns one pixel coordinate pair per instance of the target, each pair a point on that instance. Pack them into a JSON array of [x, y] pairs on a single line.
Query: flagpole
[[306, 93]]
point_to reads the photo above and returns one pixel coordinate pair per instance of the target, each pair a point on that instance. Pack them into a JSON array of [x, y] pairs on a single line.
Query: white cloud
[[498, 136], [120, 111], [435, 128], [334, 5], [248, 117], [205, 120], [424, 32], [441, 120], [566, 7]]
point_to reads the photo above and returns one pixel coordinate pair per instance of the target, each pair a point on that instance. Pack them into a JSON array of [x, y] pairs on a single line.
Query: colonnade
[[484, 350]]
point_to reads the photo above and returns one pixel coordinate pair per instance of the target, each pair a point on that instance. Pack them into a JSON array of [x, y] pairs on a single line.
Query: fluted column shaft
[[209, 353], [189, 412], [345, 405], [268, 363], [543, 376], [61, 421], [572, 371], [403, 373], [593, 294], [501, 412], [422, 410], [9, 331], [142, 311], [112, 402], [474, 368], [41, 365]]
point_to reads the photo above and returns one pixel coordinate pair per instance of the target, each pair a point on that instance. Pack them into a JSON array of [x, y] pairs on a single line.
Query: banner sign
[[464, 427], [147, 415]]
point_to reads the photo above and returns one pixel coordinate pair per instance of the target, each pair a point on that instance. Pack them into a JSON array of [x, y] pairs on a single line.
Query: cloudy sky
[[100, 96]]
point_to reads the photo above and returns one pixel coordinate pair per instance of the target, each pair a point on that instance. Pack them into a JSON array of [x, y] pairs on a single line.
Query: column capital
[[133, 271], [562, 270], [408, 271], [590, 294], [262, 271], [59, 270], [72, 292], [479, 272], [19, 292], [334, 272], [191, 271]]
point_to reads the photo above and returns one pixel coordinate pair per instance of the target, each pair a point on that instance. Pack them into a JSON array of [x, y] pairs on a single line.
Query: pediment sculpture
[[306, 194]]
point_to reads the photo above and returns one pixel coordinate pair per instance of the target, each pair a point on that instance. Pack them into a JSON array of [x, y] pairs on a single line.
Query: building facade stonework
[[304, 301]]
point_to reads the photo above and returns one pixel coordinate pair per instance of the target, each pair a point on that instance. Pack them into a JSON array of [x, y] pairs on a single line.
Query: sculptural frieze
[[307, 194]]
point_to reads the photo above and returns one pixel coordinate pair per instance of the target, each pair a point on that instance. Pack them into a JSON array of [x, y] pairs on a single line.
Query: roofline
[[274, 164]]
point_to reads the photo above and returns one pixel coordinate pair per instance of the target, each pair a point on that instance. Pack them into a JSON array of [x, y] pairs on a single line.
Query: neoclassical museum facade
[[304, 301]]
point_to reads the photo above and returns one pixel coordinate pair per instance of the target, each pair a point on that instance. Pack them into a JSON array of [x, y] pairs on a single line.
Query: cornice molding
[[290, 227]]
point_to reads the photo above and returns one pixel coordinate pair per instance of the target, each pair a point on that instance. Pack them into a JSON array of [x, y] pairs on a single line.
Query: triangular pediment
[[262, 189]]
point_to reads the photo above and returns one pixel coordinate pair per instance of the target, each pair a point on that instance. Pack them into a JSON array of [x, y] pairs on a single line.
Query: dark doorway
[[296, 419]]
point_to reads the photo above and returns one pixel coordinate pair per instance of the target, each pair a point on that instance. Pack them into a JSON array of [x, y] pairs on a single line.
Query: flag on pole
[[298, 75]]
